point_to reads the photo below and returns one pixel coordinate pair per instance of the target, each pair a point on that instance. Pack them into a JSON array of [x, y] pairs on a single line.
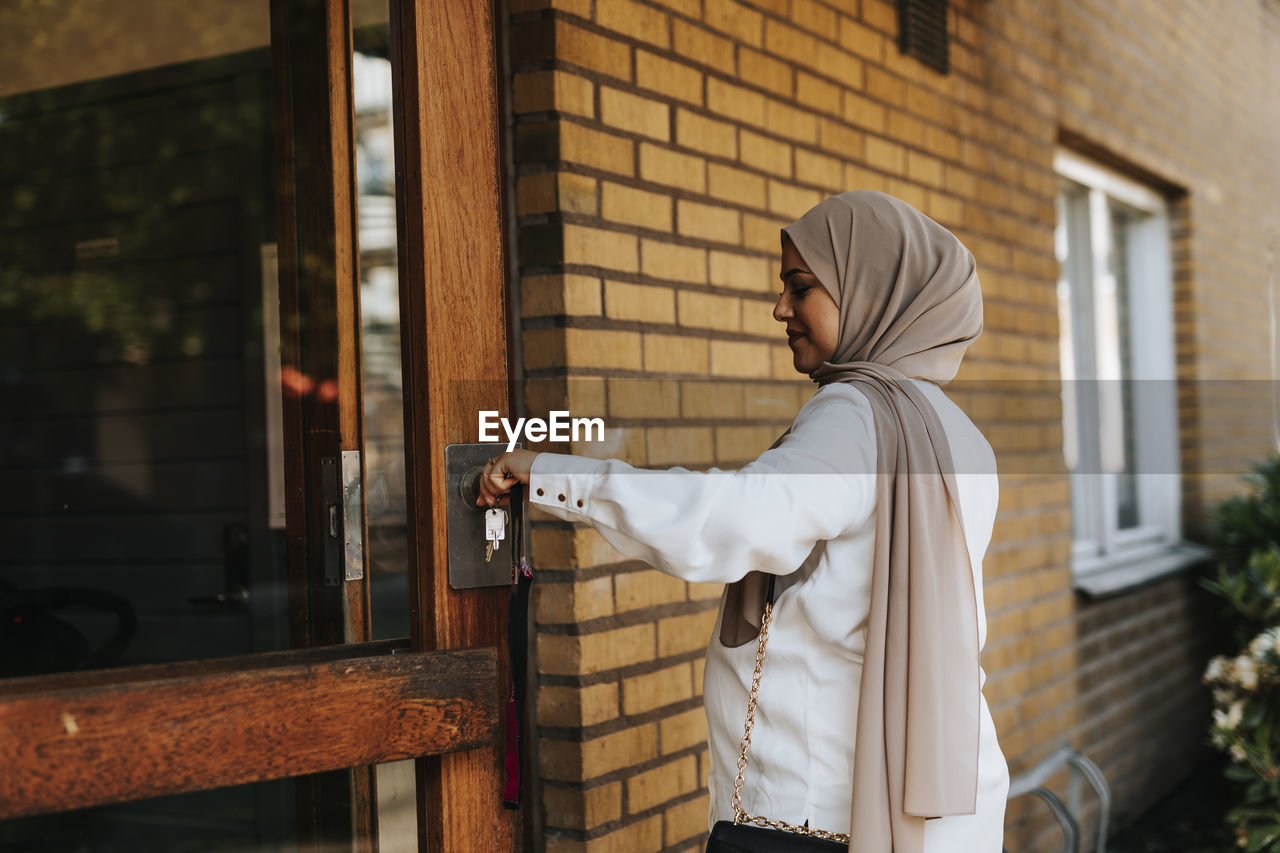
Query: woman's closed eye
[[797, 284]]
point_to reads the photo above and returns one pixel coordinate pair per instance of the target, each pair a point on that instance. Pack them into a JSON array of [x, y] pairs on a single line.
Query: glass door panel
[[253, 818], [382, 390], [135, 259], [142, 443]]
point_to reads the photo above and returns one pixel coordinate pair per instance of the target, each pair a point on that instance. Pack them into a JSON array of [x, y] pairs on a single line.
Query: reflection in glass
[[1080, 399], [132, 279], [1121, 222], [136, 243], [1071, 438], [381, 384]]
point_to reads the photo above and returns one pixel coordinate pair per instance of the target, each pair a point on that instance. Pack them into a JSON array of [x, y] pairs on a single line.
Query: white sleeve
[[818, 484]]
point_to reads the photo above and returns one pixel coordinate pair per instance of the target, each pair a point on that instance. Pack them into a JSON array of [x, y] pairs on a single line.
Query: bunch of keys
[[495, 530]]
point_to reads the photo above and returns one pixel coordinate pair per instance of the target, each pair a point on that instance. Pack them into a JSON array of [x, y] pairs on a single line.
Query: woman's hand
[[501, 473]]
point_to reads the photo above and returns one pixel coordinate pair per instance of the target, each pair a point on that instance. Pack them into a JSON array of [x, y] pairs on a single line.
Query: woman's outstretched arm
[[716, 526]]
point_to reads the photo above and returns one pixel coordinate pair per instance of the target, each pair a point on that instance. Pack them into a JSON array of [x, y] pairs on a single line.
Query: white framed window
[[1119, 393]]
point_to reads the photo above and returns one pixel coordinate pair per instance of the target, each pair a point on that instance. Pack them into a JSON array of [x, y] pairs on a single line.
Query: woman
[[870, 713]]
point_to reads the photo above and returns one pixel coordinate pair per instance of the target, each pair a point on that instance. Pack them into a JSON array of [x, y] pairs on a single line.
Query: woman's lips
[[793, 336]]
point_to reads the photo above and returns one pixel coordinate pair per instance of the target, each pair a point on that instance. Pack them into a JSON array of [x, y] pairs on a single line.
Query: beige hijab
[[910, 305]]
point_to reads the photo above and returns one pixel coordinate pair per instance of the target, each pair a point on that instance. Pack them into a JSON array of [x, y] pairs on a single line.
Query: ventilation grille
[[922, 32]]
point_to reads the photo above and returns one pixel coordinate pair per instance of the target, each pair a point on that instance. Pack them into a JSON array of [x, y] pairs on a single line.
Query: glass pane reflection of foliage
[[117, 316], [137, 189]]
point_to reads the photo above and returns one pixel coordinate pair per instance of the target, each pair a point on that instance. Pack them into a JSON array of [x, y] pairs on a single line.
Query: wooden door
[[189, 249]]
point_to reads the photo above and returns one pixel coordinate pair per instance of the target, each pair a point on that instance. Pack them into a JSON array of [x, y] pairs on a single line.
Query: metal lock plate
[[464, 521], [344, 518], [352, 516]]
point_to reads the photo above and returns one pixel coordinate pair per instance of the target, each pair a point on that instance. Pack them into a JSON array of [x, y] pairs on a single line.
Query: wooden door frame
[[450, 214]]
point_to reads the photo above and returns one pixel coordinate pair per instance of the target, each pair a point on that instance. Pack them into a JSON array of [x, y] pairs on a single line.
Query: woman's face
[[810, 314]]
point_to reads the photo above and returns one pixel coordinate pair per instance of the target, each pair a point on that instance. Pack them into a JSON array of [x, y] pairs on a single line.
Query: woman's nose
[[781, 309]]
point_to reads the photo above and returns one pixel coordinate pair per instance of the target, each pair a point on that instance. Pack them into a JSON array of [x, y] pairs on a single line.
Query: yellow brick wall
[[660, 145]]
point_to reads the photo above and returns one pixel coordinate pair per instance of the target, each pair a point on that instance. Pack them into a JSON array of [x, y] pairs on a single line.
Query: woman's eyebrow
[[786, 275]]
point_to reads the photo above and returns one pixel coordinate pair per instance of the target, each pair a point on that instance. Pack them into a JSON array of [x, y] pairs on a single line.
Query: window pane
[[1078, 400], [381, 386], [1127, 509], [1115, 313], [140, 436]]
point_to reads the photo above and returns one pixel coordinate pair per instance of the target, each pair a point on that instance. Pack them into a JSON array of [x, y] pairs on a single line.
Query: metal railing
[[1067, 814]]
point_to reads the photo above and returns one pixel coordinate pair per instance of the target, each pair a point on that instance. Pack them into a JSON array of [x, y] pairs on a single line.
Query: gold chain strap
[[739, 814]]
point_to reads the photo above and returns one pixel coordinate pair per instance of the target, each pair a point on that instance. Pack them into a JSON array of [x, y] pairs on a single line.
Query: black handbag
[[748, 833], [728, 837]]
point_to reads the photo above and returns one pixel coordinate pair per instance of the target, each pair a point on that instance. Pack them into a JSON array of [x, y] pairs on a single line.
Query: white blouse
[[805, 511]]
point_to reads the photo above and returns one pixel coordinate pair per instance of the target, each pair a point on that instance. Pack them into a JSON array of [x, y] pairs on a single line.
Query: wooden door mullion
[[450, 219]]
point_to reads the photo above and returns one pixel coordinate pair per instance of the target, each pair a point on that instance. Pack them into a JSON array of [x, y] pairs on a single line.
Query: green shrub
[[1252, 592], [1248, 554], [1246, 687]]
